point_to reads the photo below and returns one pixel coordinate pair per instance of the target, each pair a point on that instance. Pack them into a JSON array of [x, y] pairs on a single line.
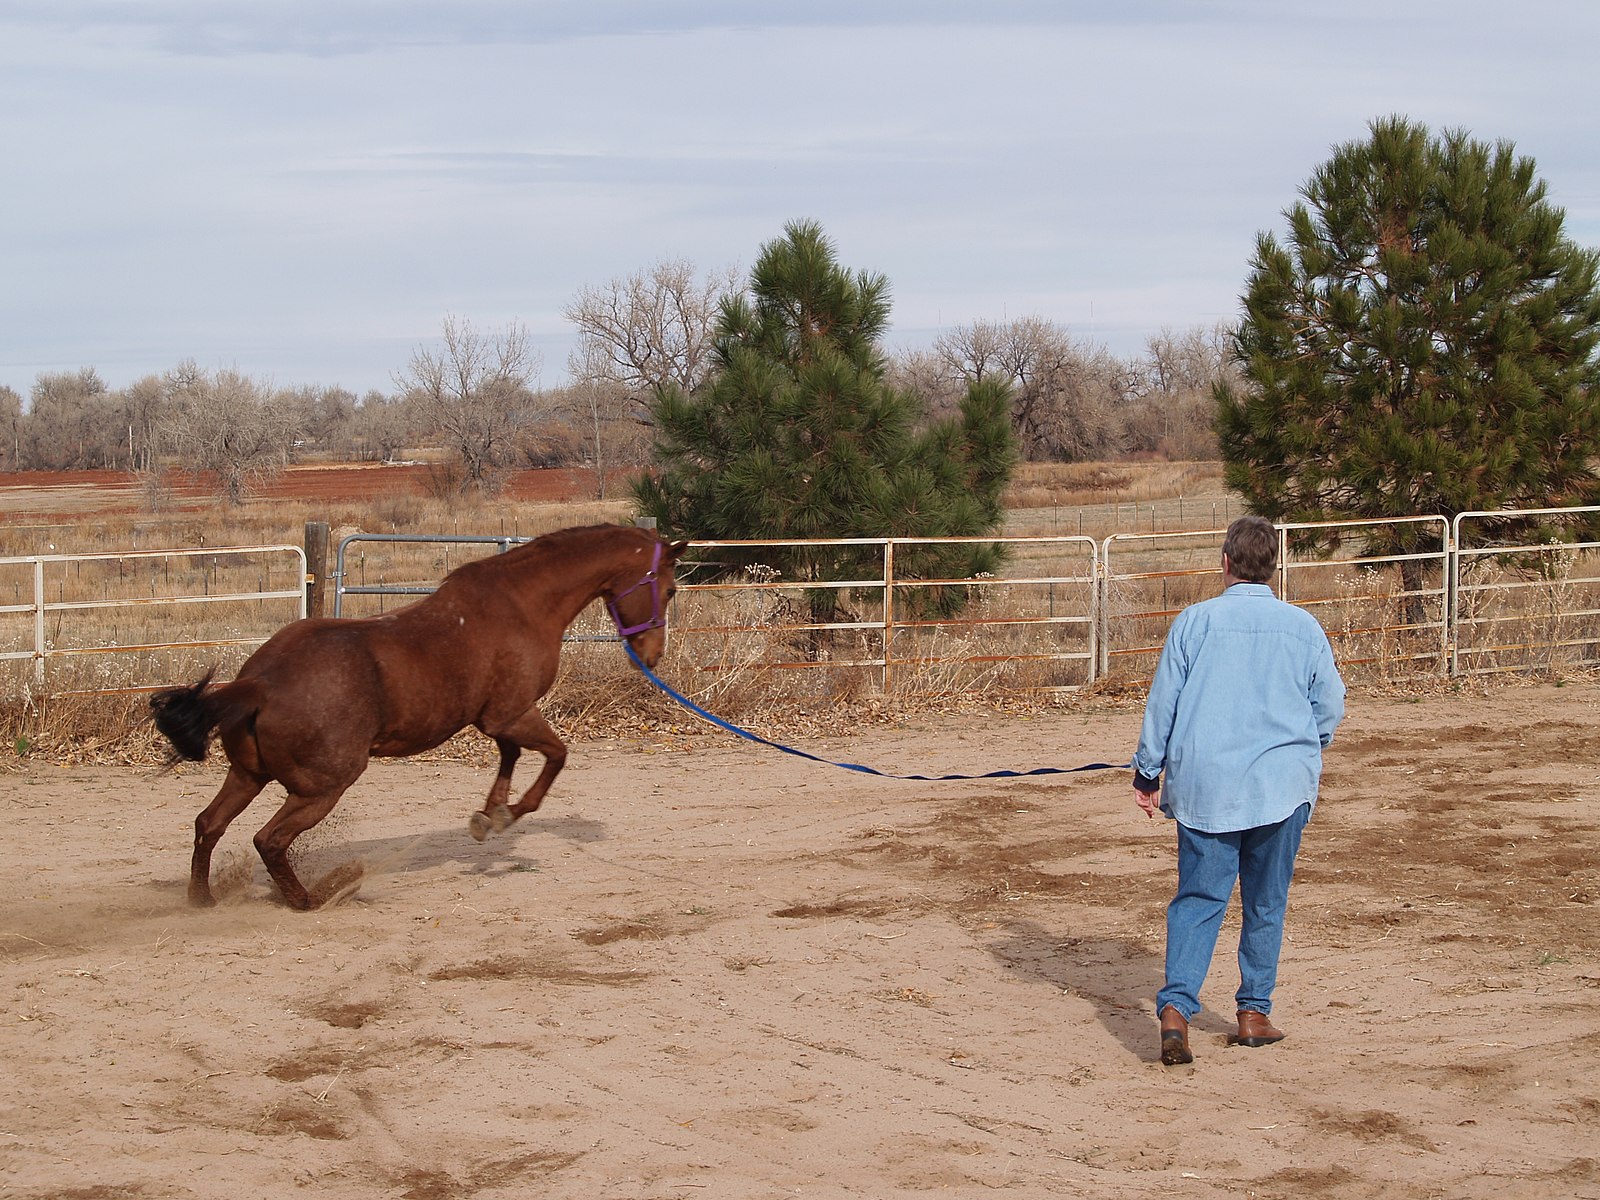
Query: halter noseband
[[658, 617]]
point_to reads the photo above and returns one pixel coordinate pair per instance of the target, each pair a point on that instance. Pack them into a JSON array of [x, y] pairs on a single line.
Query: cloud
[[342, 27], [296, 177]]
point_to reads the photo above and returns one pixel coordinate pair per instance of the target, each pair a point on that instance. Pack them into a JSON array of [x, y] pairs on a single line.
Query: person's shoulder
[[1266, 605], [1200, 608], [1300, 621], [1293, 612]]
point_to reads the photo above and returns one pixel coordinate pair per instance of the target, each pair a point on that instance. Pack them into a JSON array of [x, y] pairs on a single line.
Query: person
[[1244, 700]]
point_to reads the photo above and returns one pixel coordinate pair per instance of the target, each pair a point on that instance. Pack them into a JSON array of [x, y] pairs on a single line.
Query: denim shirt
[[1244, 698]]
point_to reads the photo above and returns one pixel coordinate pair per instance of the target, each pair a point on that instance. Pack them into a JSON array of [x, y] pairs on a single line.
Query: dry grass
[[1097, 499], [1051, 485], [113, 727], [728, 661], [597, 694], [283, 522]]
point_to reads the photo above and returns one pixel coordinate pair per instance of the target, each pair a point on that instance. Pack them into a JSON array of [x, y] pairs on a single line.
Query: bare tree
[[142, 411], [230, 424], [382, 426], [925, 374], [637, 335], [325, 417], [600, 421], [1067, 397], [652, 328], [10, 427], [70, 423], [1173, 407], [473, 389]]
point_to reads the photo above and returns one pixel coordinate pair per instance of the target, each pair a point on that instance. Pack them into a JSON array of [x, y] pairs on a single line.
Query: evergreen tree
[[797, 434], [1424, 343]]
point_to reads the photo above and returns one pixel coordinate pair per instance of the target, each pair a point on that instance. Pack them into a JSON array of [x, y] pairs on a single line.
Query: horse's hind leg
[[233, 798], [298, 814]]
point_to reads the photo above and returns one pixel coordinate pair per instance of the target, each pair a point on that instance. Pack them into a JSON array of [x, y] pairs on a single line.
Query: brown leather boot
[[1174, 1038], [1255, 1030]]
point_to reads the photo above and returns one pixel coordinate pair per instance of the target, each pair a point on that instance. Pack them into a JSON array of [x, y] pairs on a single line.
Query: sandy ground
[[707, 969]]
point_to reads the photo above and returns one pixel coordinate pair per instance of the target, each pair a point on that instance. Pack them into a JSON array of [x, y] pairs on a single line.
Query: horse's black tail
[[182, 716]]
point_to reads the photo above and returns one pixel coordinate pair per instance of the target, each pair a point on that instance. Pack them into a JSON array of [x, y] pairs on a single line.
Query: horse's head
[[638, 602]]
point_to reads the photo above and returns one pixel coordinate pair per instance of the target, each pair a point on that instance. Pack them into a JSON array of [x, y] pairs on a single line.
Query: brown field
[[36, 495], [707, 969], [1039, 498]]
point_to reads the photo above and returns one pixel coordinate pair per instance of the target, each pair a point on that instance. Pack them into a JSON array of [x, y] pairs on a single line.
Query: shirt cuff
[[1146, 783]]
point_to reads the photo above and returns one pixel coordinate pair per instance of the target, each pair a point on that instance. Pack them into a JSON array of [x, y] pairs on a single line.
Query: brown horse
[[320, 697]]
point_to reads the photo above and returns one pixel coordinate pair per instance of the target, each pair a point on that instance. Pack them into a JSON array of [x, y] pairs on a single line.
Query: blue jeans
[[1262, 860]]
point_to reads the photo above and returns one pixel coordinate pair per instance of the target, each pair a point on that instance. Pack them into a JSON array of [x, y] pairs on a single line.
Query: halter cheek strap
[[658, 617]]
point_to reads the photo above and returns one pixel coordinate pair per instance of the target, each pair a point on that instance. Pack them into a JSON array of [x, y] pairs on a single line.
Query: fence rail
[[1518, 606], [79, 622], [1467, 596]]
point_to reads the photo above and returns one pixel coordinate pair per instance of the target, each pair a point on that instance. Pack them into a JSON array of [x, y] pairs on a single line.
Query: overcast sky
[[303, 189]]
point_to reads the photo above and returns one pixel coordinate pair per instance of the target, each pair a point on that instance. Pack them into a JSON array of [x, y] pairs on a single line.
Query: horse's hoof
[[201, 899], [478, 826], [501, 818]]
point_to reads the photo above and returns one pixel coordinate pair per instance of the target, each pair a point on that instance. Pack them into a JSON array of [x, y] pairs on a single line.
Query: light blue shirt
[[1244, 698]]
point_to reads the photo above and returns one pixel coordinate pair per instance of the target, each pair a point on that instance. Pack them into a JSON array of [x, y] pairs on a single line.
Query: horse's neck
[[580, 579]]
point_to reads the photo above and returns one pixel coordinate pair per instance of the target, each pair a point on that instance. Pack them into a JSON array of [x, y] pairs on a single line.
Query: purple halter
[[658, 618]]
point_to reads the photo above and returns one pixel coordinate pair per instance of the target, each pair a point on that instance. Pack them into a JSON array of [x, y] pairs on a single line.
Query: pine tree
[[797, 434], [1424, 343]]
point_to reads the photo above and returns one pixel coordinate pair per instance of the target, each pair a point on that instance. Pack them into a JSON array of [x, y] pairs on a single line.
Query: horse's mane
[[561, 539], [551, 544]]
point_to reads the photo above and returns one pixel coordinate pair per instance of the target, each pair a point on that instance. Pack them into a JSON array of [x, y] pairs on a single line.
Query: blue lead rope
[[753, 737]]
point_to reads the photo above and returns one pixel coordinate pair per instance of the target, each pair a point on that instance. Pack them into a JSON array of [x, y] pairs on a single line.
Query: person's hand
[[1149, 801]]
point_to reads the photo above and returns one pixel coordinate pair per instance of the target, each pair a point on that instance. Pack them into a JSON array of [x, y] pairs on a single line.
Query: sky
[[303, 190]]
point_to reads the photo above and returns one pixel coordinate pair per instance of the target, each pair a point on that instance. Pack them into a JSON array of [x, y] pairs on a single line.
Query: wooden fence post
[[316, 568]]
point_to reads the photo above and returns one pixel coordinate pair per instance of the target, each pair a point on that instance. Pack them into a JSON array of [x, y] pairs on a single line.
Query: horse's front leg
[[530, 732], [555, 757], [495, 815]]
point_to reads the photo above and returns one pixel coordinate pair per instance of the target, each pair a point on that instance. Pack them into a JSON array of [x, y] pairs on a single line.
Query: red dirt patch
[[52, 493]]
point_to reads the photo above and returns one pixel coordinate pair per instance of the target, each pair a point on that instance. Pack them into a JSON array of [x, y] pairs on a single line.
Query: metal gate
[[1519, 605], [1385, 610]]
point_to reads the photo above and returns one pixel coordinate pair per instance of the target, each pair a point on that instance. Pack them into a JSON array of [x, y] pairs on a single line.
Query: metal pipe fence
[[1405, 597], [1029, 625], [134, 607], [418, 587], [1524, 605]]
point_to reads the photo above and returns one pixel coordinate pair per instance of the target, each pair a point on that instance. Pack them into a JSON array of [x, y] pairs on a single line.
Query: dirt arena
[[708, 969]]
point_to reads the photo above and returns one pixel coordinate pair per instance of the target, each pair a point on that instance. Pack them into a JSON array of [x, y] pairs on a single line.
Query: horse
[[322, 696]]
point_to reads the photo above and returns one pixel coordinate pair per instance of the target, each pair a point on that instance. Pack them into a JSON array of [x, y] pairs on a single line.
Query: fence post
[[1102, 587], [888, 614], [1283, 563], [1452, 597], [316, 568], [38, 624]]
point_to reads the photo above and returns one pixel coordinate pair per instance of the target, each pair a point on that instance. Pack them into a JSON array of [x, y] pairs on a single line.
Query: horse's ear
[[674, 549]]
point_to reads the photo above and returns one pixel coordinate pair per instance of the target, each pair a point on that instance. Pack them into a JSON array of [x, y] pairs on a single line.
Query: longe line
[[865, 770]]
